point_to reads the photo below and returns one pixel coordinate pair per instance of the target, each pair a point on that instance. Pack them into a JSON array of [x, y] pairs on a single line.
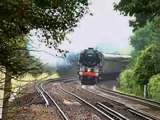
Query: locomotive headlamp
[[80, 73], [97, 74], [88, 70]]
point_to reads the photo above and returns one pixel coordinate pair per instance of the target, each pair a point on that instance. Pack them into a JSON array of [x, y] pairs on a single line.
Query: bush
[[154, 87], [126, 83], [147, 64]]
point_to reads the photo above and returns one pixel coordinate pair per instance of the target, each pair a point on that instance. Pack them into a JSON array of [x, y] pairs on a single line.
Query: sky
[[106, 29]]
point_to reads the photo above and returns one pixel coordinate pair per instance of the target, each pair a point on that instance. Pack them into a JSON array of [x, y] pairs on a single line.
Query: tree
[[49, 69], [146, 25], [138, 74], [153, 87], [142, 10], [55, 18], [143, 37], [147, 64], [15, 61], [125, 82]]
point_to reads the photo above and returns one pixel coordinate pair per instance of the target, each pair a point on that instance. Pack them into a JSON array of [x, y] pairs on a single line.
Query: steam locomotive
[[90, 66]]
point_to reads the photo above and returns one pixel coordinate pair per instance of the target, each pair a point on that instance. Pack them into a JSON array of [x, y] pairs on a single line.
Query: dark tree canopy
[[143, 37], [147, 64], [142, 10], [54, 18], [16, 58]]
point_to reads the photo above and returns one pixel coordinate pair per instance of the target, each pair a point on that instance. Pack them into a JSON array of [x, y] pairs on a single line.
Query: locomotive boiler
[[90, 66]]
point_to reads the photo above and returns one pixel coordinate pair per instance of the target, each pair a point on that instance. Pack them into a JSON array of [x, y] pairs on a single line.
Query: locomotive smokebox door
[[90, 66]]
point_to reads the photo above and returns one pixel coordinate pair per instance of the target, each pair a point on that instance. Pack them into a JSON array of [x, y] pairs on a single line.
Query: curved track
[[137, 100], [87, 103], [47, 97], [111, 115], [114, 114], [99, 107]]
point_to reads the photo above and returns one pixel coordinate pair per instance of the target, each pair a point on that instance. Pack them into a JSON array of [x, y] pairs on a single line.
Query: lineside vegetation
[[145, 66]]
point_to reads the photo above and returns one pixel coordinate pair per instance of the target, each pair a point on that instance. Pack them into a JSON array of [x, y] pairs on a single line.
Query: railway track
[[118, 116], [140, 113], [131, 97], [115, 115], [101, 108], [48, 99], [116, 110]]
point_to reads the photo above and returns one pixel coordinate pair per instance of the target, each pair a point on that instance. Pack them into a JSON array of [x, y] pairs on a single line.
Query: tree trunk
[[7, 92]]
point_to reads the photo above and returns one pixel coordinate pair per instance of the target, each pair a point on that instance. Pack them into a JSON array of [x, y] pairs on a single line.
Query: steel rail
[[140, 114], [41, 94], [145, 101], [40, 89], [114, 114], [89, 104], [57, 106]]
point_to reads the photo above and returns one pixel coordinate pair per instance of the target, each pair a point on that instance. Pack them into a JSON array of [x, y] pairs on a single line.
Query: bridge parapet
[[112, 56], [115, 63]]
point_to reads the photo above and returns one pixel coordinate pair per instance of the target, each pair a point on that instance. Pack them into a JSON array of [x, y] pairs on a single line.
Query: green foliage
[[125, 82], [142, 10], [147, 64], [18, 17], [153, 87], [54, 18], [143, 37], [16, 58], [49, 69], [146, 54]]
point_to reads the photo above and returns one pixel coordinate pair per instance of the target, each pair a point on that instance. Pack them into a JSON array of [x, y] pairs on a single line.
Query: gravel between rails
[[31, 107], [93, 98], [145, 107], [72, 107]]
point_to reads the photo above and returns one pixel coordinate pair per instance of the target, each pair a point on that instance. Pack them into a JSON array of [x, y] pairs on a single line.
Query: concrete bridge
[[114, 64]]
